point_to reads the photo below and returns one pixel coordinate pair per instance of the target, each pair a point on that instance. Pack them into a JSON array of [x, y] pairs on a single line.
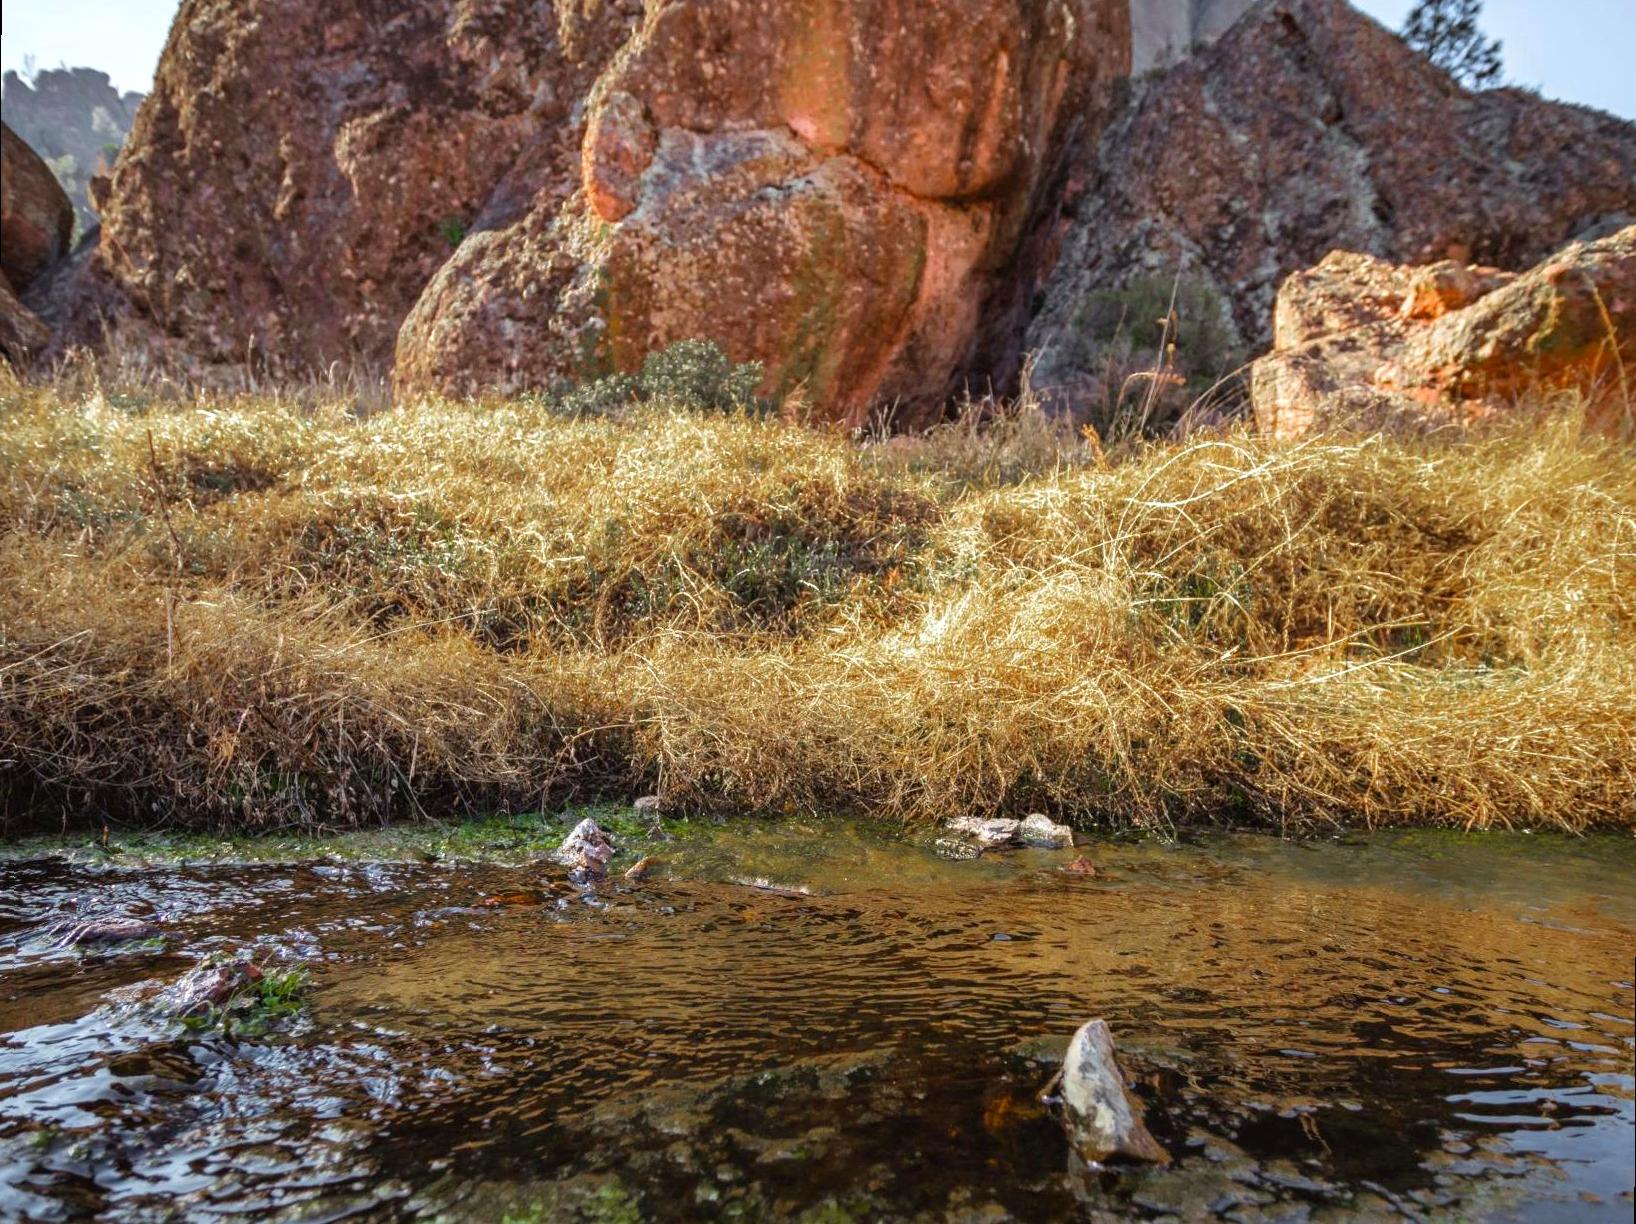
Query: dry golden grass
[[260, 613]]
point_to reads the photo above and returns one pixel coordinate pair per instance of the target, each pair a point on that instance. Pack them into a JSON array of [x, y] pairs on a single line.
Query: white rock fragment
[[1101, 1117], [989, 834]]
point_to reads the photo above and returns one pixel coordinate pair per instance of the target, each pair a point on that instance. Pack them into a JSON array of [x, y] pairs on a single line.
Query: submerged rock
[[1040, 830], [585, 852], [120, 928], [1101, 1117], [642, 868], [209, 986], [1081, 866], [989, 834]]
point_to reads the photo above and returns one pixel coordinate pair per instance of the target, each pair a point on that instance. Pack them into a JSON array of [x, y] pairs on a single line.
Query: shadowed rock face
[[301, 170], [1365, 344], [36, 221], [833, 187], [1309, 128], [36, 218]]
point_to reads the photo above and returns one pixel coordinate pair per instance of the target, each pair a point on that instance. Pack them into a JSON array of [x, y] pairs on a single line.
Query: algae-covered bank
[[810, 1020]]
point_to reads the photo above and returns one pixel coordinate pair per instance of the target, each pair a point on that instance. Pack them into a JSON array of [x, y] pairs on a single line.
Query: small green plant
[[453, 230], [692, 374], [256, 1005]]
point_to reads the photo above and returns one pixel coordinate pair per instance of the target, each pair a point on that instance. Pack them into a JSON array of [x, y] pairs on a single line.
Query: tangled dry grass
[[254, 613]]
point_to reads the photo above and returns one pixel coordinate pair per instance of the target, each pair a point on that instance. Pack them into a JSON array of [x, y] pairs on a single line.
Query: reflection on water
[[1396, 1026]]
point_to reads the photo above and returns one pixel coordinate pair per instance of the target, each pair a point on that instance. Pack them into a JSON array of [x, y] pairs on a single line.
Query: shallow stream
[[1415, 1025]]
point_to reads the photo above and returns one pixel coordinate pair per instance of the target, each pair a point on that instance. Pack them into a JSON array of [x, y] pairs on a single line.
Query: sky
[[1576, 50]]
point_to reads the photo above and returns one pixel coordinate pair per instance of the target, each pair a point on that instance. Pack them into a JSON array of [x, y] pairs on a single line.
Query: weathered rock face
[[36, 218], [1309, 128], [300, 170], [832, 187], [76, 121], [36, 221], [1366, 344]]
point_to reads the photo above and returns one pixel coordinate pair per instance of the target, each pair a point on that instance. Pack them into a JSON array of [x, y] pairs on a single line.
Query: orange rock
[[36, 219], [1466, 345]]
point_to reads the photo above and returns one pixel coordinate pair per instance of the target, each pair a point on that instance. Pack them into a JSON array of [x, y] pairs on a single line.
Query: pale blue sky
[[1577, 50]]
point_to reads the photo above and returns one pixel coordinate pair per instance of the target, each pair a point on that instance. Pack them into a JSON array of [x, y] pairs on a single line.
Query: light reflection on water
[[1397, 1024]]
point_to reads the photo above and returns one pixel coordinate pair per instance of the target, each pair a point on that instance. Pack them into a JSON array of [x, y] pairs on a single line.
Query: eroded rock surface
[[836, 188], [1309, 128], [1366, 344], [36, 219], [301, 171]]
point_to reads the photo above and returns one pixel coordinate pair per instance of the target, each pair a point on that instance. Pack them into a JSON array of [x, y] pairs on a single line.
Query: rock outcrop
[[36, 221], [300, 171], [76, 120], [836, 188], [1363, 344], [1309, 128]]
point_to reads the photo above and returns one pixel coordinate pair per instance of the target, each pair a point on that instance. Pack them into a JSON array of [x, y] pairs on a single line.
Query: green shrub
[[691, 374]]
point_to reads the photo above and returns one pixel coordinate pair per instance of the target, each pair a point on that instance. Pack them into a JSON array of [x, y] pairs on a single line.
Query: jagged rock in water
[[208, 986], [1038, 829], [1306, 128], [1364, 344], [585, 852], [838, 190], [987, 834], [1103, 1121], [77, 121]]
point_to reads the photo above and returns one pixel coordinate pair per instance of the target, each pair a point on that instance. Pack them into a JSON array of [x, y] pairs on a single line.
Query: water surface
[[1397, 1026]]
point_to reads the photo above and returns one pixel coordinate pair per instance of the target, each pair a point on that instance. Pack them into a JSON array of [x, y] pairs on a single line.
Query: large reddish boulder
[[36, 222], [301, 170], [1309, 128], [836, 188], [1363, 344], [36, 218]]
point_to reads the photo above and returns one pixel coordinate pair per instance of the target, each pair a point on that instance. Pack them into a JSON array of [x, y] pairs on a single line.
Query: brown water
[[1412, 1026]]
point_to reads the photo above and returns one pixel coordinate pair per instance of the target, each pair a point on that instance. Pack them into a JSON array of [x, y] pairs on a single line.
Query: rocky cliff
[[1308, 128]]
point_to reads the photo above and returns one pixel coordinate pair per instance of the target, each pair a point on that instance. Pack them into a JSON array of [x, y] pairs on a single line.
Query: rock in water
[[1101, 1117], [1040, 830], [209, 986], [1363, 344], [585, 852], [989, 834], [110, 930]]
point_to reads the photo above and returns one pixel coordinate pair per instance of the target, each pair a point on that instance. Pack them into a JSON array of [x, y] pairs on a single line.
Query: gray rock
[[1101, 1117], [585, 852], [988, 834], [1041, 830]]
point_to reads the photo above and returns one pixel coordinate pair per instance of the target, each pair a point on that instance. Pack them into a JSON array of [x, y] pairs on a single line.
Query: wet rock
[[1364, 344], [649, 805], [1040, 830], [1081, 866], [988, 834], [643, 868], [585, 852], [1101, 1117], [108, 930], [210, 986], [952, 848], [512, 900]]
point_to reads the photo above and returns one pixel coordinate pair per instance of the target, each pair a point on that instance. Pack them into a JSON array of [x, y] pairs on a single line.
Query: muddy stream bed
[[1417, 1025]]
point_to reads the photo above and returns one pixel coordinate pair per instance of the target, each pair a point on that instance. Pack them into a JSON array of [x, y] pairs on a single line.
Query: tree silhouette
[[1446, 32]]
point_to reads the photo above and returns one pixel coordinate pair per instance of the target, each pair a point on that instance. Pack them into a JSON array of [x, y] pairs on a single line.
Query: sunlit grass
[[263, 614]]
